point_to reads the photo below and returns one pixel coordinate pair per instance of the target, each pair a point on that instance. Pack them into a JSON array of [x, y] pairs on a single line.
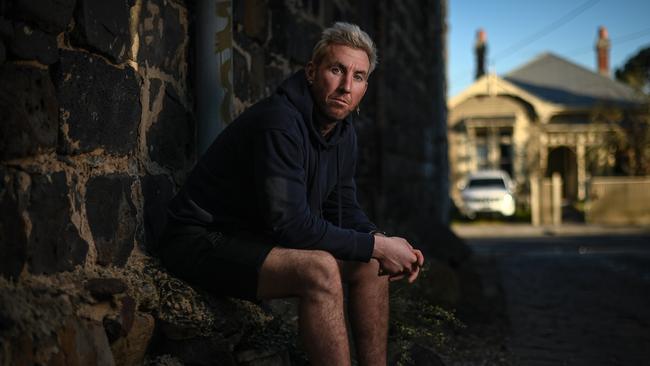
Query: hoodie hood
[[296, 89]]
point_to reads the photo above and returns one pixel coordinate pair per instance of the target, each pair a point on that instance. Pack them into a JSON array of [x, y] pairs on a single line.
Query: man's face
[[339, 81]]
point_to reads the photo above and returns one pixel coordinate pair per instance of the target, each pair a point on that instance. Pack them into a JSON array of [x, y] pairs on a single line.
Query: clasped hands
[[397, 258]]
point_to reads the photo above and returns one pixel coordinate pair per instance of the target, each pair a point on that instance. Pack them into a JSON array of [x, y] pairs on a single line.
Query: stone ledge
[[56, 320]]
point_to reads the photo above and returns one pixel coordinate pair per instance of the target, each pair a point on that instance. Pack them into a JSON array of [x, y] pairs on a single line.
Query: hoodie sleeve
[[281, 191], [352, 216]]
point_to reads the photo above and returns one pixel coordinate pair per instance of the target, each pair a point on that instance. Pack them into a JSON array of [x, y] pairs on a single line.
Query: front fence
[[618, 201]]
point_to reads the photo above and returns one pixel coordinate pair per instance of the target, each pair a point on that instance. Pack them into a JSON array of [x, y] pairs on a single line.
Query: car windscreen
[[486, 183]]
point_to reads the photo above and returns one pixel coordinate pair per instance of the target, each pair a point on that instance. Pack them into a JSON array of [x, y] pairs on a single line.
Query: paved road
[[574, 299]]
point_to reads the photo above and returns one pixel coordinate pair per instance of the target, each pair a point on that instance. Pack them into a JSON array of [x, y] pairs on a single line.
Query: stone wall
[[96, 133], [96, 129]]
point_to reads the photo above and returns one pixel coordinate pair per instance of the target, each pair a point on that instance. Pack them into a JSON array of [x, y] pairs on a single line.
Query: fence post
[[556, 197], [535, 207]]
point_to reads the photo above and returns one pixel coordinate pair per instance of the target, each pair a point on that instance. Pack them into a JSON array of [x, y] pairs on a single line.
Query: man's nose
[[346, 83]]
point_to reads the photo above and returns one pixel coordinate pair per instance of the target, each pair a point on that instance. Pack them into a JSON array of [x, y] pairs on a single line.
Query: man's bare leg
[[314, 277], [368, 309]]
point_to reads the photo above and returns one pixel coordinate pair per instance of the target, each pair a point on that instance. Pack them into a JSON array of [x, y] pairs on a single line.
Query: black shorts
[[224, 263]]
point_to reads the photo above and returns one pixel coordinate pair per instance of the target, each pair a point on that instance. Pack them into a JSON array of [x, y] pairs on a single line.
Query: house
[[549, 115]]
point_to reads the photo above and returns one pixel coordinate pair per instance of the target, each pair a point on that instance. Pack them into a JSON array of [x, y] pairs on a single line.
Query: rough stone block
[[21, 351], [105, 288], [112, 217], [30, 43], [103, 26], [127, 313], [200, 350], [130, 350], [412, 141], [6, 28], [84, 343], [13, 238], [120, 324], [54, 243], [154, 89], [170, 138], [99, 104], [263, 357], [250, 82], [254, 16], [113, 329], [158, 190], [51, 16], [3, 53], [28, 111], [293, 36], [274, 76], [423, 355], [162, 36]]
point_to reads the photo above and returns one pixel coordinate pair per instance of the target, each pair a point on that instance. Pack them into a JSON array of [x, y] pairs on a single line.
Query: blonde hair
[[345, 34]]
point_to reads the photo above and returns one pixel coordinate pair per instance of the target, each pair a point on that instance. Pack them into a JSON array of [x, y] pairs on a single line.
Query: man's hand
[[398, 258], [415, 269]]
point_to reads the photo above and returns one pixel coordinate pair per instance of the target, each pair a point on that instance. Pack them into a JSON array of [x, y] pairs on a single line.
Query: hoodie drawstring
[[338, 186], [318, 189]]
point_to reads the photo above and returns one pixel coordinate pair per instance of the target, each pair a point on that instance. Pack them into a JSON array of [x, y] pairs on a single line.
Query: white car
[[488, 191]]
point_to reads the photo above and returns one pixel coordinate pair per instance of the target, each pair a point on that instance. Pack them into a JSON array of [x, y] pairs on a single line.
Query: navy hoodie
[[271, 172]]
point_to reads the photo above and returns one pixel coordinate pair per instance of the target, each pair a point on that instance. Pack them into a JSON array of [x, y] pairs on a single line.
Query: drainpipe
[[213, 76]]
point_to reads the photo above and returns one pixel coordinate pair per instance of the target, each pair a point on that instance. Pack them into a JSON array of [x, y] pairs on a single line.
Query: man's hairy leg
[[368, 310], [313, 276]]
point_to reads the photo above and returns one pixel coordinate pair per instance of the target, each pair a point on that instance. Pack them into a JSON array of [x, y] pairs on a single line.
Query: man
[[270, 210]]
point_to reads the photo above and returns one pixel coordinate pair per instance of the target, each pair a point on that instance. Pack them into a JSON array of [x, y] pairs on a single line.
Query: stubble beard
[[326, 121]]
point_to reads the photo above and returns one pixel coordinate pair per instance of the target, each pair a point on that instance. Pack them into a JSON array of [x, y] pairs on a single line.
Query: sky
[[518, 31]]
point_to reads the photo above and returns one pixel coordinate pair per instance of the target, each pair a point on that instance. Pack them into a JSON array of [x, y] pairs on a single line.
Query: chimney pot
[[480, 49], [602, 51]]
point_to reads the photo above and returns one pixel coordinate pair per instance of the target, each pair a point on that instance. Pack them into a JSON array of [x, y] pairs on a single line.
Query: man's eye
[[359, 77], [336, 70]]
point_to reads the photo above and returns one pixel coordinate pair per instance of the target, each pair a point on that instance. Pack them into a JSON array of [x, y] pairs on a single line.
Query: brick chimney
[[480, 48], [602, 51]]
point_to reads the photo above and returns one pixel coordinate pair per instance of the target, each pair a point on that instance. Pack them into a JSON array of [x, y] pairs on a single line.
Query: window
[[482, 155], [486, 182]]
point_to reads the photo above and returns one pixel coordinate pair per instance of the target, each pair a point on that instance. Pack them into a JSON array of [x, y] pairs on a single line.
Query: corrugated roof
[[559, 81]]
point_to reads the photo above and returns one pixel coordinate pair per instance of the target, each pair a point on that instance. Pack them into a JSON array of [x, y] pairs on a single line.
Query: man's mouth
[[340, 101]]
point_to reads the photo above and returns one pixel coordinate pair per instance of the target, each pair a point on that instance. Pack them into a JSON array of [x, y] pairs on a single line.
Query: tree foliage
[[634, 138], [636, 72]]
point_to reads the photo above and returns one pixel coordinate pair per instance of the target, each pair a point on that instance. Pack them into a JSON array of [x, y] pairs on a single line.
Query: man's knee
[[321, 274], [359, 272]]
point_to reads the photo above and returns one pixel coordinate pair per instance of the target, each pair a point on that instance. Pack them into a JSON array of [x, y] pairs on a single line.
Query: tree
[[636, 72], [635, 139]]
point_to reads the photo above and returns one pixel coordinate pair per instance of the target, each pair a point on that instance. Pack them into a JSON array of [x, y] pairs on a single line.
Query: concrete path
[[508, 230], [574, 296]]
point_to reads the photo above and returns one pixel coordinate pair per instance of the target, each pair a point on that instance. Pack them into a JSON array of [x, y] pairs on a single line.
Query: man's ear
[[310, 71]]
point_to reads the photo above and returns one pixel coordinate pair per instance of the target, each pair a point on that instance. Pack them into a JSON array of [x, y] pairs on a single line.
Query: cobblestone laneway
[[575, 300]]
